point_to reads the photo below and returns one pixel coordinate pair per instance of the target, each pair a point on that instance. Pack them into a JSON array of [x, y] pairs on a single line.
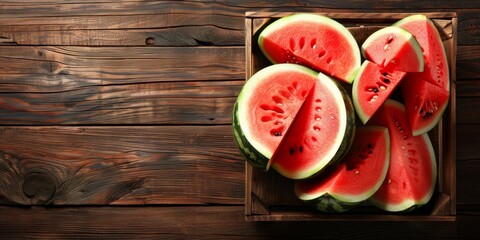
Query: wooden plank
[[469, 27], [207, 222], [120, 165], [467, 179], [119, 65], [468, 62], [205, 35], [468, 88], [207, 102], [468, 137], [467, 110]]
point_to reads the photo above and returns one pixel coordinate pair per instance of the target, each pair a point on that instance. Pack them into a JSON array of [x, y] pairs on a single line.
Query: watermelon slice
[[424, 102], [372, 86], [265, 108], [321, 133], [395, 48], [436, 65], [314, 41], [412, 173], [356, 179]]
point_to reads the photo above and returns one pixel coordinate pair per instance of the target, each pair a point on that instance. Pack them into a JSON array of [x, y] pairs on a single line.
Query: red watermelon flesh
[[322, 131], [314, 41], [436, 66], [354, 180], [412, 173], [424, 103], [266, 107], [372, 86], [395, 48]]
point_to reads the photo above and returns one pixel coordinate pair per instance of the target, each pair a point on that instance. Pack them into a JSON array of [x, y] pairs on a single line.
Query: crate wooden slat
[[270, 197]]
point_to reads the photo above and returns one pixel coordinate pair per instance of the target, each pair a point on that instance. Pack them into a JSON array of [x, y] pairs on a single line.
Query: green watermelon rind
[[253, 151], [302, 17], [399, 32], [248, 152], [421, 17], [343, 143], [411, 204], [337, 203], [328, 203]]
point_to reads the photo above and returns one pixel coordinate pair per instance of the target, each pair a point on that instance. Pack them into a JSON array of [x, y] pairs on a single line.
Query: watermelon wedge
[[266, 107], [315, 41], [436, 65], [356, 179], [395, 48], [372, 86], [321, 133], [424, 102], [412, 173]]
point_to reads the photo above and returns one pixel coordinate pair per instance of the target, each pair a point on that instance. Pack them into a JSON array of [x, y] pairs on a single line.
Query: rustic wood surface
[[115, 121]]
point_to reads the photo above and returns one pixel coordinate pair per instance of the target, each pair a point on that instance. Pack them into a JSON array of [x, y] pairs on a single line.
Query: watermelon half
[[356, 179], [395, 48], [372, 86], [424, 102], [412, 173], [314, 41], [321, 133], [266, 107], [436, 65]]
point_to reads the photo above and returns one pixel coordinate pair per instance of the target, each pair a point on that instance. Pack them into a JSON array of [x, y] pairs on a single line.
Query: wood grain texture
[[120, 165], [206, 102], [469, 27], [163, 29], [117, 65], [208, 222], [468, 62]]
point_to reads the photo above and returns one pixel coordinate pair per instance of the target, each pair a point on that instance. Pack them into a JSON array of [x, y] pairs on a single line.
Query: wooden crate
[[270, 197]]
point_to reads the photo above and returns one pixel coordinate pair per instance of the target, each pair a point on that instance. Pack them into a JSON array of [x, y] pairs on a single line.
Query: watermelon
[[321, 133], [314, 41], [395, 48], [356, 179], [436, 65], [412, 173], [372, 86], [265, 108], [424, 102]]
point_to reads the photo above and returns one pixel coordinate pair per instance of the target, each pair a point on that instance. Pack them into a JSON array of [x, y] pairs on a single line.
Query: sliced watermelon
[[372, 86], [411, 177], [395, 48], [321, 133], [356, 179], [424, 102], [314, 41], [265, 108], [436, 65]]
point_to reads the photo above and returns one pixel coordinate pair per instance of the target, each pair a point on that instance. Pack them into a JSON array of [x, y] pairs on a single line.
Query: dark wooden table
[[115, 121]]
